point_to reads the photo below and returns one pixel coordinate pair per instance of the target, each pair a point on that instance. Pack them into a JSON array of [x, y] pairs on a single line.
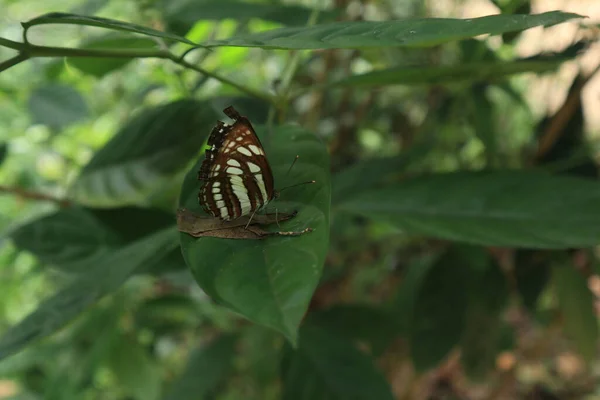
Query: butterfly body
[[237, 178]]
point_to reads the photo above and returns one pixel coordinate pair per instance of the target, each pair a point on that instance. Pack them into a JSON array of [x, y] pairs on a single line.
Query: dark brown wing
[[237, 176]]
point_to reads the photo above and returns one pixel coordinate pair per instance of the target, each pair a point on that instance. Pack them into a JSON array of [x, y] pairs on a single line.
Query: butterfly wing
[[237, 176]]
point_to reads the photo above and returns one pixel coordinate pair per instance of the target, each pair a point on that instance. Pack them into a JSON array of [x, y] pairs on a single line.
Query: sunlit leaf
[[424, 32], [102, 66], [497, 208], [144, 155], [57, 106], [270, 281]]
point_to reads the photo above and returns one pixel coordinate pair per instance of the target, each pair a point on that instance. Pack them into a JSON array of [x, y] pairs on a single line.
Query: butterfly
[[237, 178]]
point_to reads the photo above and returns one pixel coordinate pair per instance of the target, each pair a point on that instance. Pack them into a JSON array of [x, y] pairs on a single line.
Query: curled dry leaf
[[201, 226]]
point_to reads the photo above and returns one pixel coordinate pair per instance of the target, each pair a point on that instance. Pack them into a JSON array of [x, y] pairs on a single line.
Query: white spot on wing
[[234, 171], [220, 204], [242, 195], [253, 167], [255, 149], [261, 186], [216, 190], [218, 196], [244, 151], [224, 213], [216, 184], [239, 139], [233, 163]]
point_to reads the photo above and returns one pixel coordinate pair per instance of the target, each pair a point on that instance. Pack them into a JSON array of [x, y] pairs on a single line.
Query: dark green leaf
[[328, 367], [3, 152], [424, 32], [168, 313], [182, 15], [358, 322], [481, 340], [70, 239], [484, 122], [145, 155], [532, 274], [101, 66], [368, 174], [207, 366], [270, 281], [438, 306], [500, 208], [105, 276], [74, 19], [576, 302], [57, 106], [134, 369], [435, 75]]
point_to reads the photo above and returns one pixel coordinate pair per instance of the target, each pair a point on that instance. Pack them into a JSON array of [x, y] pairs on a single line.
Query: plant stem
[[27, 50], [11, 62], [26, 194]]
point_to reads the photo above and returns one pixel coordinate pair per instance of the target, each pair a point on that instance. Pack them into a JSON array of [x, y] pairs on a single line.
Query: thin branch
[[12, 45], [11, 62], [26, 194]]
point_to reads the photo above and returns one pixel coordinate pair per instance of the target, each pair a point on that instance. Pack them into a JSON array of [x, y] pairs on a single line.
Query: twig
[[26, 194], [11, 62]]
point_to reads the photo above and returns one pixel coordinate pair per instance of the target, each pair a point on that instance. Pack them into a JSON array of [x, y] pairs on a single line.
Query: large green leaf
[[104, 277], [101, 66], [326, 366], [438, 300], [576, 302], [497, 208], [57, 106], [206, 368], [70, 239], [74, 19], [424, 32], [182, 15], [270, 281], [435, 75], [145, 155], [137, 372]]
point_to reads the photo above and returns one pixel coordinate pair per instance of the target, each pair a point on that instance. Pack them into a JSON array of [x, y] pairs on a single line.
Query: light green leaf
[[57, 106], [424, 32], [145, 155], [270, 281], [326, 366], [74, 19], [105, 276], [206, 368], [182, 15], [576, 302], [496, 208], [100, 66]]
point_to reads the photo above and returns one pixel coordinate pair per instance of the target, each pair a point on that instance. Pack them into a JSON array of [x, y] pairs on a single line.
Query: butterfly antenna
[[294, 162], [297, 184]]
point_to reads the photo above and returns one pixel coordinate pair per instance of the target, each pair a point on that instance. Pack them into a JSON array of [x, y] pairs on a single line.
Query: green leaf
[[144, 156], [182, 15], [532, 275], [576, 302], [365, 175], [447, 74], [57, 106], [437, 307], [74, 19], [484, 122], [270, 281], [207, 366], [481, 339], [100, 66], [70, 239], [423, 32], [328, 367], [358, 322], [497, 208], [135, 370], [104, 277]]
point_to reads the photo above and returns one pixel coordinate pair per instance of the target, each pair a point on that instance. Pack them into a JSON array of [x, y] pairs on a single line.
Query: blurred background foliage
[[415, 301]]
